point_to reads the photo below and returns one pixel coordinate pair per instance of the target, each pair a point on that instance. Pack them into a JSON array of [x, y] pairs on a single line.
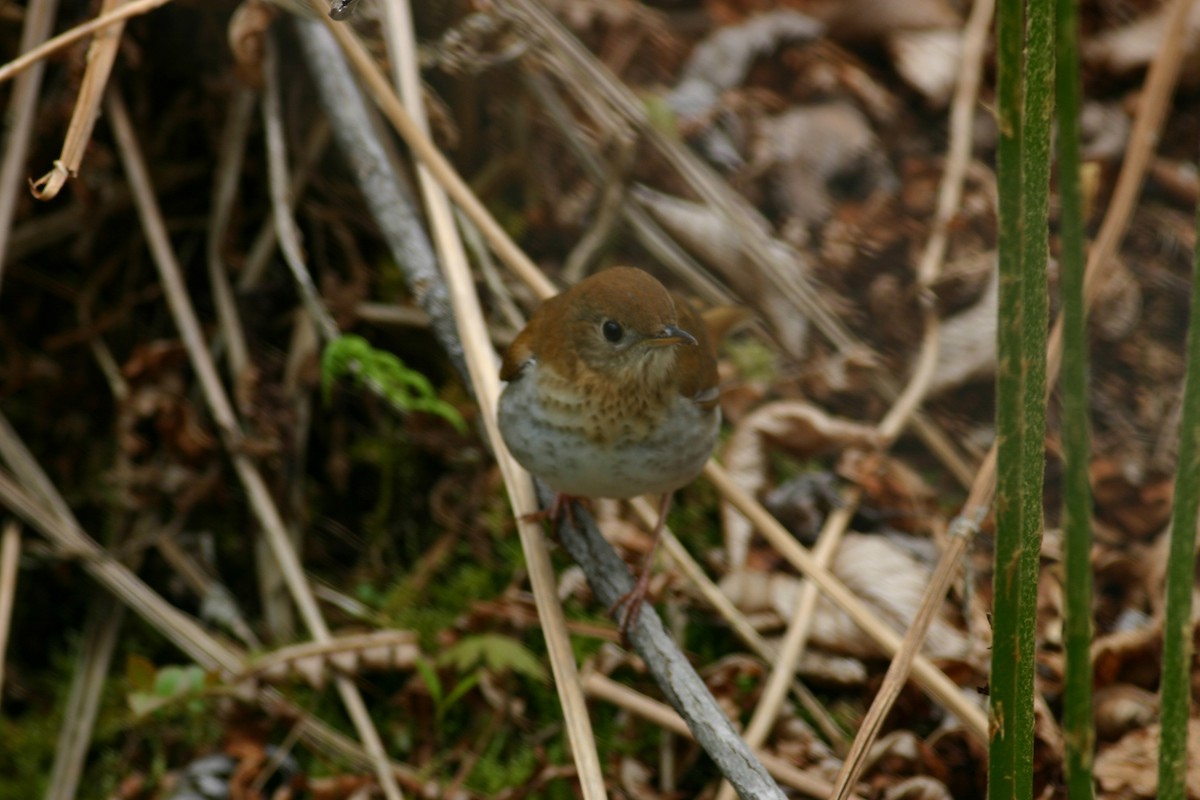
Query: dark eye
[[612, 331]]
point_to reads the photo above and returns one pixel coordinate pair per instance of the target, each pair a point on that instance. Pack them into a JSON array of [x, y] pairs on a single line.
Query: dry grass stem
[[795, 639], [19, 119], [481, 364], [30, 57], [222, 411], [92, 665], [225, 186], [958, 159], [102, 53], [10, 557], [604, 688], [933, 680]]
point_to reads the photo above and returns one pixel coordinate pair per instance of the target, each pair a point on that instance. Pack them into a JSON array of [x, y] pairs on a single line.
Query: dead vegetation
[[330, 592]]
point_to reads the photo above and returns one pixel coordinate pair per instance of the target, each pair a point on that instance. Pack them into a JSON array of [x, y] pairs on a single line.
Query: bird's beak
[[671, 335]]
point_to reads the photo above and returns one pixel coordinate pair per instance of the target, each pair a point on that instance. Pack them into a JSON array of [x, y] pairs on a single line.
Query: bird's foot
[[557, 510], [633, 600], [629, 605]]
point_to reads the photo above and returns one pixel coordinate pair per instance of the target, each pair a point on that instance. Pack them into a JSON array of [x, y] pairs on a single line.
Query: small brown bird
[[612, 392]]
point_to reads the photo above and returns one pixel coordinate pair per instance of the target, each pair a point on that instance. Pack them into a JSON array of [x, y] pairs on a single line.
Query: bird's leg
[[556, 511], [635, 597]]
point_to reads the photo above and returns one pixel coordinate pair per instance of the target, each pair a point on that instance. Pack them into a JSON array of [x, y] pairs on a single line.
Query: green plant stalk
[[1025, 106], [1079, 732], [1003, 756], [1037, 135], [1177, 629]]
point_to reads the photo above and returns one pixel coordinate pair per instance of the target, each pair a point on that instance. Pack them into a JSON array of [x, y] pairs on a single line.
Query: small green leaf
[[465, 685], [497, 653], [431, 680], [140, 672], [406, 389]]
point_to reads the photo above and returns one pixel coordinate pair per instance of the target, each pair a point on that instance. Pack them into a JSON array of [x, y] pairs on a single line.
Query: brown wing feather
[[697, 365]]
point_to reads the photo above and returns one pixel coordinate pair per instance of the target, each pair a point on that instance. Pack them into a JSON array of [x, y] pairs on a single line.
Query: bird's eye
[[612, 331]]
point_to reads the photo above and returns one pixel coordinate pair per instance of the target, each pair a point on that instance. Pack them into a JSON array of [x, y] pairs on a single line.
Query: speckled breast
[[582, 454]]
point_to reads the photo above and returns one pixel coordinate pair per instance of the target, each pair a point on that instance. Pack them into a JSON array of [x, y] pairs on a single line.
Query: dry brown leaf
[[1129, 768], [801, 150], [929, 61], [1141, 506], [879, 572], [967, 341], [248, 25], [1118, 304], [798, 427], [1121, 708], [921, 787], [720, 63], [1134, 46], [894, 489], [715, 241], [873, 19]]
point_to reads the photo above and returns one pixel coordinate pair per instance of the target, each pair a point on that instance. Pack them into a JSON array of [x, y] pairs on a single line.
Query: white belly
[[669, 456]]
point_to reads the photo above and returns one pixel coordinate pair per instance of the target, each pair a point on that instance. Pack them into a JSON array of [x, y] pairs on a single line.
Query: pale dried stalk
[[933, 680], [66, 38], [604, 688], [223, 415], [225, 186], [285, 226], [19, 118], [958, 158], [795, 639], [10, 555], [720, 602], [481, 363], [39, 503], [92, 665], [102, 53]]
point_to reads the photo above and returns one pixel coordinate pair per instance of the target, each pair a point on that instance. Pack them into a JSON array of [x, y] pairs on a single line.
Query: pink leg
[[635, 597]]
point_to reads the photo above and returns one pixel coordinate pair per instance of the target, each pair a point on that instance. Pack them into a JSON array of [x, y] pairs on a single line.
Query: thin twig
[[795, 639], [259, 495], [604, 688], [962, 111], [285, 227], [229, 168], [19, 118], [27, 59], [263, 248], [102, 54], [92, 665], [10, 558], [481, 362]]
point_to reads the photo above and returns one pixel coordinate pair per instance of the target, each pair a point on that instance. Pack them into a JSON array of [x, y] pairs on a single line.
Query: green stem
[[1078, 729], [1025, 102], [1177, 629]]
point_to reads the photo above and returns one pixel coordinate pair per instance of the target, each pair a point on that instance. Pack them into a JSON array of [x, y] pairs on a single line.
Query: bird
[[612, 391]]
